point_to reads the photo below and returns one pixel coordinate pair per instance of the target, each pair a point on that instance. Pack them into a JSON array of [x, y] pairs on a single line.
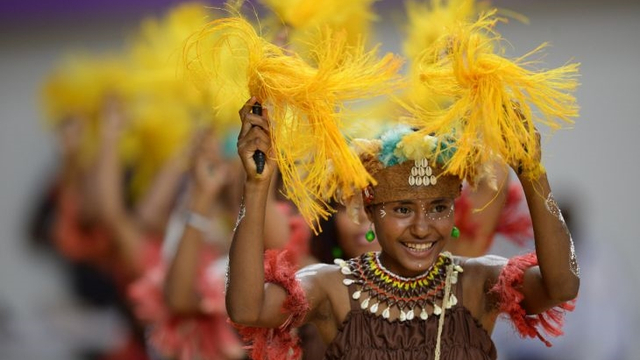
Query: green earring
[[370, 235], [455, 232]]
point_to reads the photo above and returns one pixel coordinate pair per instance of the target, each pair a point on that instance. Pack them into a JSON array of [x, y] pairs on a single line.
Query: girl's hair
[[324, 246]]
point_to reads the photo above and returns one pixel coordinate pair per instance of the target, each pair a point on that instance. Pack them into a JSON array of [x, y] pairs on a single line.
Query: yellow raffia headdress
[[163, 106], [207, 73], [78, 84], [306, 103], [77, 87], [491, 95], [428, 21], [304, 20], [156, 52]]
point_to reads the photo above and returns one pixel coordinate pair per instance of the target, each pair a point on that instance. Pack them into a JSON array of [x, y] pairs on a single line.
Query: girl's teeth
[[419, 247]]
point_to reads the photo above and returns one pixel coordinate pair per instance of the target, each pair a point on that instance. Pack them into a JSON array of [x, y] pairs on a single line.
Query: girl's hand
[[114, 120], [517, 166], [255, 134], [70, 133], [209, 172]]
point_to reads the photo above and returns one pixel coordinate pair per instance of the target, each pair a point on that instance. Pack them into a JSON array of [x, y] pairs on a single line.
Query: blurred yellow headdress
[[164, 107], [76, 88], [304, 20]]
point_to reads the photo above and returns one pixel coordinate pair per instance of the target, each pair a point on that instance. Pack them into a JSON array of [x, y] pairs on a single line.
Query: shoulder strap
[[459, 292], [353, 303]]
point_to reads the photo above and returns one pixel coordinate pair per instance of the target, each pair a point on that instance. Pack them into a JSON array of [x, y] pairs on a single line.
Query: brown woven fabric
[[393, 184]]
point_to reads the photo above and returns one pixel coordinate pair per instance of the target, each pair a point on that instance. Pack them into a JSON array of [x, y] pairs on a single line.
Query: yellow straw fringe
[[491, 95], [298, 24], [428, 21], [76, 89], [78, 84], [163, 107], [307, 105]]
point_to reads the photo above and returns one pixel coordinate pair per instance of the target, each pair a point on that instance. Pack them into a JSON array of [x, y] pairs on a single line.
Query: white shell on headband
[[421, 174]]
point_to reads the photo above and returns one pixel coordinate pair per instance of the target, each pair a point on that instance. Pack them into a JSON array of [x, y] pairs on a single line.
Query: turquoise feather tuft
[[388, 155]]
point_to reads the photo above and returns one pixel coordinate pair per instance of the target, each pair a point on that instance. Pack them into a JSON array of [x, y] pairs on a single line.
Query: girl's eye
[[402, 210], [440, 209]]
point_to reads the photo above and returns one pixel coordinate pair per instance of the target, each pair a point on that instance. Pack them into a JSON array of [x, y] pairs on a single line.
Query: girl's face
[[412, 233], [351, 236]]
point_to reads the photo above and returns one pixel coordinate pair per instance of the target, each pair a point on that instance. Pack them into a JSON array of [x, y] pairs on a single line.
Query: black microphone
[[258, 156]]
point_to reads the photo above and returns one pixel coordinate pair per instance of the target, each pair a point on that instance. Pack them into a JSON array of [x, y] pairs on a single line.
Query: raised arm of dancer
[[249, 300], [247, 303], [69, 134], [110, 195], [556, 278], [208, 177], [153, 210], [276, 227]]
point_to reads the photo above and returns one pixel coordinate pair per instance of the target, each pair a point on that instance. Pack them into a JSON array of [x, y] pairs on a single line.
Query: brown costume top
[[368, 336]]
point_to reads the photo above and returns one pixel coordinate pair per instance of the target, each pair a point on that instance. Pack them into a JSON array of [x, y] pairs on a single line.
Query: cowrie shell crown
[[422, 174]]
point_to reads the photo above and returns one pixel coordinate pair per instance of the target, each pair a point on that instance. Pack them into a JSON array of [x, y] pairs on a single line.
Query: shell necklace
[[379, 290]]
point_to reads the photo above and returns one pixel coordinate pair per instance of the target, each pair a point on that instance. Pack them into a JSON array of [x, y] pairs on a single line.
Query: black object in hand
[[258, 156]]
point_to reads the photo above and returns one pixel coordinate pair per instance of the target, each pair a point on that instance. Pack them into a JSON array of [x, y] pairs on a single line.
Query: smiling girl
[[410, 300]]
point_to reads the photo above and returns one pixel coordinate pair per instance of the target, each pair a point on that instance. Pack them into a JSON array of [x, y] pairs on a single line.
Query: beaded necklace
[[380, 289]]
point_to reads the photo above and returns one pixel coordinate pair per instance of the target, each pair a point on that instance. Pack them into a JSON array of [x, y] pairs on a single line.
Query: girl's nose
[[421, 225]]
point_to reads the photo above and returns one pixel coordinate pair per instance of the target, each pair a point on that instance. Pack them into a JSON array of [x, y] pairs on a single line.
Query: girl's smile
[[412, 232]]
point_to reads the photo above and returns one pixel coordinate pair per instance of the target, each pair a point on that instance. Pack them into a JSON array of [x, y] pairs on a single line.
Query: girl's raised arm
[[249, 300]]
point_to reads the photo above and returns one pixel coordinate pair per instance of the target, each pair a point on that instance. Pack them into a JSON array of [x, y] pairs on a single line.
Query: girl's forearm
[[181, 284], [245, 290], [111, 206], [554, 246], [155, 207], [180, 289], [108, 173]]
